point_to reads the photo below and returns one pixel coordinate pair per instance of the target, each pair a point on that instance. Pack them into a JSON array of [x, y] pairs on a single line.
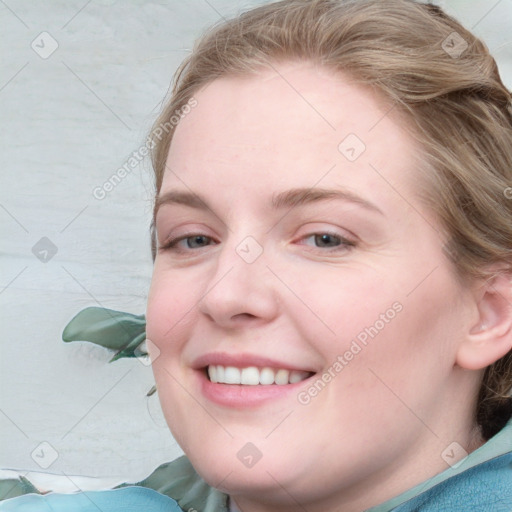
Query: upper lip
[[244, 361]]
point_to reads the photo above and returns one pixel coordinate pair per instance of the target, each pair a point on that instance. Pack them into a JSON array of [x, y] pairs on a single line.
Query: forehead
[[291, 123]]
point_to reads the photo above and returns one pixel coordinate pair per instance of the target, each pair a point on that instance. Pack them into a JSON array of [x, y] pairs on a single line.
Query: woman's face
[[294, 250]]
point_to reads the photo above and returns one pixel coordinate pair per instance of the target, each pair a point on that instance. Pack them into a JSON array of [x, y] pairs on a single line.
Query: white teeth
[[296, 376], [266, 376], [212, 373], [282, 377], [252, 376], [232, 375]]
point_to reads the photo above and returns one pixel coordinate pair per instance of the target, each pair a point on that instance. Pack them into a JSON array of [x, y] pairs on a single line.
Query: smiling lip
[[239, 395]]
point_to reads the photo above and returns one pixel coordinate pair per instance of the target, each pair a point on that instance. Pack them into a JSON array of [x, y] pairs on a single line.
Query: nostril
[[244, 316]]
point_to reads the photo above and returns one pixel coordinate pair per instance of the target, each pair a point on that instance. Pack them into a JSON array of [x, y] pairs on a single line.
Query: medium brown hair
[[436, 75]]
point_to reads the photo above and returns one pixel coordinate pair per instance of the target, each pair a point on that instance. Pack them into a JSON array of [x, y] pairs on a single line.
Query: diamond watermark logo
[[454, 455], [249, 249], [147, 352], [44, 455], [454, 45], [249, 455], [44, 250], [44, 45], [351, 147]]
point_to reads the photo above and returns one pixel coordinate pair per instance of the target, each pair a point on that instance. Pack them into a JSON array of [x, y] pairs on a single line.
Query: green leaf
[[132, 349], [111, 329], [13, 487]]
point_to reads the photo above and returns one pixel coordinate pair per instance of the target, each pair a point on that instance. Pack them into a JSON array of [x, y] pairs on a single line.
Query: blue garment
[[127, 499], [484, 488]]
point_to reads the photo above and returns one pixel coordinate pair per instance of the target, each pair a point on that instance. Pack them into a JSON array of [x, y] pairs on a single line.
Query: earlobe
[[490, 338]]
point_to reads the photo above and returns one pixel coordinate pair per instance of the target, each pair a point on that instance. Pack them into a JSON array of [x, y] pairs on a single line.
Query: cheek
[[389, 322], [407, 343], [170, 307], [344, 304]]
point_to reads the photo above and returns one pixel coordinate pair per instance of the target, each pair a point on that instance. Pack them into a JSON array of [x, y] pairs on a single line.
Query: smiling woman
[[328, 265], [331, 222], [382, 133]]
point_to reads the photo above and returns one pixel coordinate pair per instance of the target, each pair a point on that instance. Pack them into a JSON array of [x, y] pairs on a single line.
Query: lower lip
[[243, 396]]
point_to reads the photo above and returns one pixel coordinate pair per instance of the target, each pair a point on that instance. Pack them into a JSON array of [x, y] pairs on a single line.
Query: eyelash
[[344, 243], [170, 245]]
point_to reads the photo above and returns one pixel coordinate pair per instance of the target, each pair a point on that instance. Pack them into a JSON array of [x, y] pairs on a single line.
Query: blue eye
[[328, 241], [191, 242]]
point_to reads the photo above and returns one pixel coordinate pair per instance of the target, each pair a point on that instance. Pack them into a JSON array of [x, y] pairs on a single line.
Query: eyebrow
[[287, 199], [300, 196]]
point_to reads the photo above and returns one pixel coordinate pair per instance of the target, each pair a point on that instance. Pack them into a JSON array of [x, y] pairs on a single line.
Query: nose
[[239, 292]]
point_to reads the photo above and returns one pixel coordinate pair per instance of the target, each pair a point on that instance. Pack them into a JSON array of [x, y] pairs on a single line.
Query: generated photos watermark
[[100, 192], [357, 345]]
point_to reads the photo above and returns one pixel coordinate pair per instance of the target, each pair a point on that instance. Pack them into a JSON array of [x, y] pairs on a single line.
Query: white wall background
[[68, 122]]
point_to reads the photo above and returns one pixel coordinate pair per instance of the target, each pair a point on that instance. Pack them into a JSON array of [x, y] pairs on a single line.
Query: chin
[[232, 478], [231, 469]]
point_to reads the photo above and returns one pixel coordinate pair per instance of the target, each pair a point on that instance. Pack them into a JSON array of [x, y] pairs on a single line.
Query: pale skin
[[381, 424]]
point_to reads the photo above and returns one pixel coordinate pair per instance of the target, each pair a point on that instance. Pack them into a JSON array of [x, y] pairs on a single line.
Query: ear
[[490, 338]]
